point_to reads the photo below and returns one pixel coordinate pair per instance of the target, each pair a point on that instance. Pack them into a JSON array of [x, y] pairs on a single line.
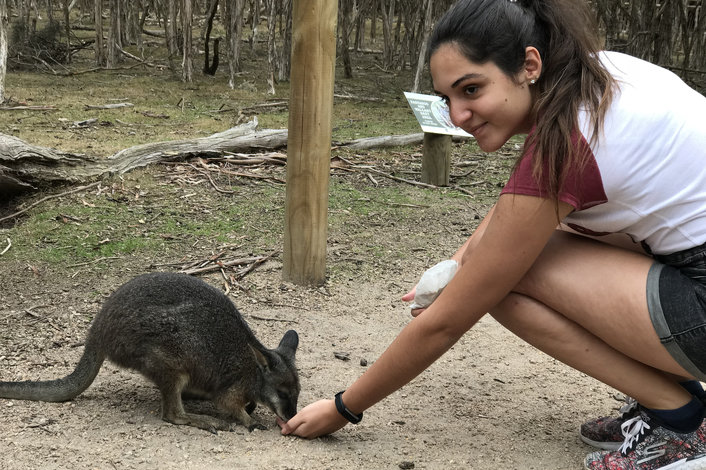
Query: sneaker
[[606, 433], [649, 446]]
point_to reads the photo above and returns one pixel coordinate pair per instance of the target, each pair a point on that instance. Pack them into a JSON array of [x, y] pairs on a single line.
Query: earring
[[533, 81]]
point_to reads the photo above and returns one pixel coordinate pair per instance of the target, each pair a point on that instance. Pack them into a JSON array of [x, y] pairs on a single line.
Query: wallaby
[[188, 338]]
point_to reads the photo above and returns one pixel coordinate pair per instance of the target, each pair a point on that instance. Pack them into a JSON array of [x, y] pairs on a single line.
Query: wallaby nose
[[289, 410]]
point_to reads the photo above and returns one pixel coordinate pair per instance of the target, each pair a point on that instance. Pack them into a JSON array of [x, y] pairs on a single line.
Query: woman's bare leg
[[584, 302]]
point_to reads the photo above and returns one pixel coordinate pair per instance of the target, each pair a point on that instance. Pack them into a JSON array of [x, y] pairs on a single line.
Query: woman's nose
[[458, 114]]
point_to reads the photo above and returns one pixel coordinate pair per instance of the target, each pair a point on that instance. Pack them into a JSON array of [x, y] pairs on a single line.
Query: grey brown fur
[[188, 338]]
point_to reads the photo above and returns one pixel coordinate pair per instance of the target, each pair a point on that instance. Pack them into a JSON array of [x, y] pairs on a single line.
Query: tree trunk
[[113, 34], [234, 33], [98, 24], [285, 52], [271, 47], [133, 29], [210, 68], [170, 26], [67, 28], [344, 28], [254, 22], [50, 11], [421, 62], [187, 64], [374, 19], [388, 46], [3, 47]]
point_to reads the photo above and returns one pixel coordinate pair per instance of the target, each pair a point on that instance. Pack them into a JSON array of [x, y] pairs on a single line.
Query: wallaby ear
[[260, 358], [289, 343]]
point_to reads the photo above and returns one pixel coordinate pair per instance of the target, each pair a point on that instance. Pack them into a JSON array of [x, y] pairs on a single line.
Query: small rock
[[405, 465], [344, 356]]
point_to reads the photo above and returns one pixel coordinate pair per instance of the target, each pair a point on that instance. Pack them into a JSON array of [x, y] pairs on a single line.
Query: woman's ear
[[533, 64]]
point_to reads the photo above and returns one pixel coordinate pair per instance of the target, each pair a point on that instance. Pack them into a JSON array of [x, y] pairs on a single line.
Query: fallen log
[[24, 166]]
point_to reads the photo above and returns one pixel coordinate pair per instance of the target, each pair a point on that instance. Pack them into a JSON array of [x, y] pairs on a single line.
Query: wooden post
[[436, 159], [309, 141]]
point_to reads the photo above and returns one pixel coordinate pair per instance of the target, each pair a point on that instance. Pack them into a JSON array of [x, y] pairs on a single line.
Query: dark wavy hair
[[564, 33]]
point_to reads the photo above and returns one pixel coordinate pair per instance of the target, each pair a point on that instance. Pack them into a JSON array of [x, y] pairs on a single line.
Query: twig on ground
[[134, 57], [154, 115], [299, 307], [9, 244], [206, 172], [244, 272], [28, 108], [29, 312], [273, 104], [276, 158], [97, 260], [250, 175], [202, 263], [255, 317], [402, 180], [109, 106], [460, 189], [414, 183], [215, 186], [223, 264]]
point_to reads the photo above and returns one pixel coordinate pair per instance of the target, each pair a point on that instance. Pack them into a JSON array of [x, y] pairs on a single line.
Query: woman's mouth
[[474, 130]]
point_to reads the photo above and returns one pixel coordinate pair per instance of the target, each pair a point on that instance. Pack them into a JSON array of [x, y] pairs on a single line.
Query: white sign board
[[433, 114]]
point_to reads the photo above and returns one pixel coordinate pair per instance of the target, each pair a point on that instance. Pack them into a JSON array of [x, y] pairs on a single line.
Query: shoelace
[[634, 431], [629, 407]]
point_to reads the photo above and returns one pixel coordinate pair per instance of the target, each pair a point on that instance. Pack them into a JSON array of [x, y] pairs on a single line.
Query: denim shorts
[[676, 298]]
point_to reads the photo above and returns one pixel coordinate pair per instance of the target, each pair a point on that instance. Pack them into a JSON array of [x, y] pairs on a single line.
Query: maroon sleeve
[[582, 188]]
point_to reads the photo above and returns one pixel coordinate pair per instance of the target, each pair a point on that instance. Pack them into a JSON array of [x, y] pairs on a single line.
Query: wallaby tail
[[60, 389]]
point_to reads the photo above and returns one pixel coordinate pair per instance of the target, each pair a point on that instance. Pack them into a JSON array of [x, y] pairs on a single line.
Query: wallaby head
[[279, 389]]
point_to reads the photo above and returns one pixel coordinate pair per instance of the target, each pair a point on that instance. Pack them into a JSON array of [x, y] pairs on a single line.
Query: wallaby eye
[[282, 395]]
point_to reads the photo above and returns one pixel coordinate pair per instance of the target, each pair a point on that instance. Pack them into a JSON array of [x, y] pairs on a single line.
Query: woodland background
[[181, 34]]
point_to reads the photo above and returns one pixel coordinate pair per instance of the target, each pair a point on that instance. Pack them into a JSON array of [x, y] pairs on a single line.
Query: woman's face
[[482, 100]]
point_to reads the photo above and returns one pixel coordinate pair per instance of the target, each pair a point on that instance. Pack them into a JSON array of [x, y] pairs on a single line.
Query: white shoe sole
[[601, 445]]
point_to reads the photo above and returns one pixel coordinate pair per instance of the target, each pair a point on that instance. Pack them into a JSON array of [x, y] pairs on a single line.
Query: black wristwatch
[[345, 412]]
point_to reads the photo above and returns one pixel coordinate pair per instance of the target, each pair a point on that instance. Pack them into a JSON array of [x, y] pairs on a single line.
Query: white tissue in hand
[[433, 282]]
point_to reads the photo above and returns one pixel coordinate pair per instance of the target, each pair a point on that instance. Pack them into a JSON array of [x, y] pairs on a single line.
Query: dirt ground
[[492, 402]]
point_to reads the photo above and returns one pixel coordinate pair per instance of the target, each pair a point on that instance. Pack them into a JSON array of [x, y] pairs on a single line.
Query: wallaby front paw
[[255, 426], [212, 430]]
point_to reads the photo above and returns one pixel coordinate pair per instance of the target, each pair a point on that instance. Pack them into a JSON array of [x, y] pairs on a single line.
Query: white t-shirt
[[647, 172]]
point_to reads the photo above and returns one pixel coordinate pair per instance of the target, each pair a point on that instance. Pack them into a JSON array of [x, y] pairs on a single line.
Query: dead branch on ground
[[215, 265]]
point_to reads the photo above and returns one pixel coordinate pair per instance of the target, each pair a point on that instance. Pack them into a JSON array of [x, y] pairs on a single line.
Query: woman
[[615, 146]]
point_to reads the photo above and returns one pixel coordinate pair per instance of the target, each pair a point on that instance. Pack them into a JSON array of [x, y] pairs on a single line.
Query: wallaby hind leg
[[173, 408]]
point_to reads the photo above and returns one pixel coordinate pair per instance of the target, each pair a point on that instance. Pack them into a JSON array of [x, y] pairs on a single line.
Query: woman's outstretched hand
[[314, 420], [409, 297]]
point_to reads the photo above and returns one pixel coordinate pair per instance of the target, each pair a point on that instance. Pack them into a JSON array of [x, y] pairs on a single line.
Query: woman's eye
[[470, 90]]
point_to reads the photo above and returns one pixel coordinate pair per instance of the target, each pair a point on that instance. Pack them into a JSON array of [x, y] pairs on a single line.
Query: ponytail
[[564, 33]]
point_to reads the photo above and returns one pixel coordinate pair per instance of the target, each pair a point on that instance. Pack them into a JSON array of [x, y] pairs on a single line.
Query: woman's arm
[[513, 238], [470, 243]]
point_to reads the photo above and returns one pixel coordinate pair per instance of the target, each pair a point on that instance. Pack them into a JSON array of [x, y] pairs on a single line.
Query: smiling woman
[[604, 154]]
